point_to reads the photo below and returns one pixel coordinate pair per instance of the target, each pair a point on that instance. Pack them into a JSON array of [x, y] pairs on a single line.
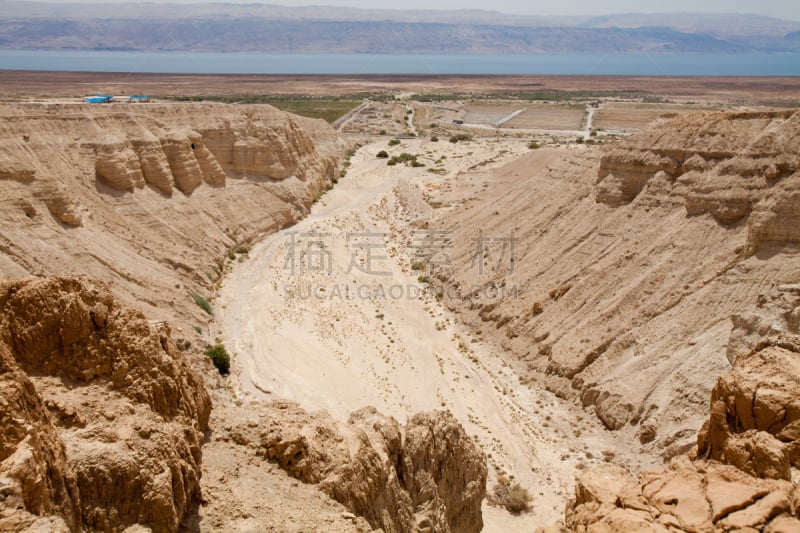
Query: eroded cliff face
[[629, 263], [102, 418], [151, 198], [740, 475], [427, 476], [733, 167]]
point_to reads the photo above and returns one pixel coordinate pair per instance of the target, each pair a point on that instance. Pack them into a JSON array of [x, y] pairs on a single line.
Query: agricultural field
[[628, 116], [488, 113], [549, 117]]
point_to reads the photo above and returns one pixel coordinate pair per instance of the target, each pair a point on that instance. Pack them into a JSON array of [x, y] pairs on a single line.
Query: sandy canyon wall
[[151, 198], [629, 264]]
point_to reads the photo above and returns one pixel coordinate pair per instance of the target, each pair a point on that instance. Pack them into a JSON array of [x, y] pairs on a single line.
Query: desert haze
[[263, 28], [399, 304]]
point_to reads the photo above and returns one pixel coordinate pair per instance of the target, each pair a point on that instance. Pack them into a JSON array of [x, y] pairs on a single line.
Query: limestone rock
[[442, 468], [430, 476], [153, 161], [186, 170], [108, 418], [62, 206], [754, 404], [118, 166], [686, 496]]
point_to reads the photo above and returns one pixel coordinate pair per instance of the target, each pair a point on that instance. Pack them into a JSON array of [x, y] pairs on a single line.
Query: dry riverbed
[[331, 314]]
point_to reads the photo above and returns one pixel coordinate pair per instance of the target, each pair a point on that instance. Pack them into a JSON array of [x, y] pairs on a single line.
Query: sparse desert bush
[[242, 249], [203, 303], [579, 140], [394, 142], [417, 266], [533, 145], [434, 138], [219, 356], [460, 137], [513, 497], [406, 159], [424, 279], [382, 154]]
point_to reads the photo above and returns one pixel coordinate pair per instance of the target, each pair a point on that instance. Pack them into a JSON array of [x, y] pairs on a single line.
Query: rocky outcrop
[[685, 496], [428, 477], [103, 419], [741, 474], [755, 408], [727, 165]]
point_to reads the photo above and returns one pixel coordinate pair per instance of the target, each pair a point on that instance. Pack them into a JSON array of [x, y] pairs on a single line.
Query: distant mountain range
[[270, 28]]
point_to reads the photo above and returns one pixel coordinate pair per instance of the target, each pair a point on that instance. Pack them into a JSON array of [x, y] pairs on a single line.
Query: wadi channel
[[442, 314]]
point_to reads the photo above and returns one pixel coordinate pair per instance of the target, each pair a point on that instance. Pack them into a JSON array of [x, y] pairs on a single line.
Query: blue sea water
[[257, 63]]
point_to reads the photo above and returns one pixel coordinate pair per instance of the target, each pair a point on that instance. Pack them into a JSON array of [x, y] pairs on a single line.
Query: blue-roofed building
[[98, 99]]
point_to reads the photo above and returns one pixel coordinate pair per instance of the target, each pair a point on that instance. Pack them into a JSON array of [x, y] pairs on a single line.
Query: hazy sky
[[786, 9]]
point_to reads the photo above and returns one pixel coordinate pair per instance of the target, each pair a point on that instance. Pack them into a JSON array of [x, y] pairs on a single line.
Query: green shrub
[[418, 266], [406, 159], [460, 137], [242, 249], [219, 356], [382, 132], [533, 145], [434, 138], [424, 279], [514, 497], [203, 303], [579, 140], [382, 154], [394, 142], [198, 329]]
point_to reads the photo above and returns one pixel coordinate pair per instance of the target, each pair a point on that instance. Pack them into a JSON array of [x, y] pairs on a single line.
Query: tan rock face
[[108, 417], [151, 199], [686, 496], [727, 165], [36, 480], [629, 265], [429, 477], [742, 477]]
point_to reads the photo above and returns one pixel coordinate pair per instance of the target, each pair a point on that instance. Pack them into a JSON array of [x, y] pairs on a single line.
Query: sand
[[329, 340]]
